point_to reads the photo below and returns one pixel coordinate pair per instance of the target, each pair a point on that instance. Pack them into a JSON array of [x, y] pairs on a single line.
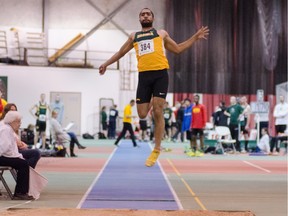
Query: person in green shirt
[[234, 111], [40, 112]]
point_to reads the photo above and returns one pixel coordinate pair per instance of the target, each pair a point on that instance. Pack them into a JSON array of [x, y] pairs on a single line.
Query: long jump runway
[[126, 183]]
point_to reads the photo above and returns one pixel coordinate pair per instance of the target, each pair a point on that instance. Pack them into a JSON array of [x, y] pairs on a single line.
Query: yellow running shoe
[[151, 160], [199, 153], [191, 153]]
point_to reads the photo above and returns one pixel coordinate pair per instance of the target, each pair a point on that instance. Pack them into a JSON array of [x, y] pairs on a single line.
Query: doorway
[[72, 109]]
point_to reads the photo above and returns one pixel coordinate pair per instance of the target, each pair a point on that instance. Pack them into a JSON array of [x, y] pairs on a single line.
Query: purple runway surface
[[126, 183]]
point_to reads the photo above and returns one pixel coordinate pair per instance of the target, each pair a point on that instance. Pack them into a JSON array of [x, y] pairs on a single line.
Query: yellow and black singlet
[[150, 51]]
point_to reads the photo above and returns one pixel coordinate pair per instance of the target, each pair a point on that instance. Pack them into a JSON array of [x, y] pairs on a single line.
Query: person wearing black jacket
[[113, 115], [220, 119], [179, 120]]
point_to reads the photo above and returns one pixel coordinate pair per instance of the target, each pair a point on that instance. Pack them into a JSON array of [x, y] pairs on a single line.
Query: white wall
[[76, 14], [25, 84], [64, 19]]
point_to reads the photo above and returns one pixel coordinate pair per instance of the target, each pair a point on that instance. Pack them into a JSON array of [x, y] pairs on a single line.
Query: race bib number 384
[[145, 47]]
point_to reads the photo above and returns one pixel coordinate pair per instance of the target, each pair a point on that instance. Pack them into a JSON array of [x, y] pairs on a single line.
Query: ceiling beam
[[88, 34], [106, 16]]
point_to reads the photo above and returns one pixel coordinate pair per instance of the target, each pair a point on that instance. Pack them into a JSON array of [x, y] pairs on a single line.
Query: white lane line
[[170, 187], [95, 180], [14, 206], [256, 166], [168, 183]]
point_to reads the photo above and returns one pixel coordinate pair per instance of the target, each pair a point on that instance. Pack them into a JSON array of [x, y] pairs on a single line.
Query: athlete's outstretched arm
[[127, 46], [172, 46]]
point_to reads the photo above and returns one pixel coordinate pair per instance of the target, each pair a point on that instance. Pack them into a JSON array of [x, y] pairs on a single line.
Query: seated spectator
[[9, 155], [32, 156], [263, 145], [63, 136], [27, 135]]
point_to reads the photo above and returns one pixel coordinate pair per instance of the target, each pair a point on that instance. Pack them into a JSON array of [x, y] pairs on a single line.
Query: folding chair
[[223, 131], [13, 173]]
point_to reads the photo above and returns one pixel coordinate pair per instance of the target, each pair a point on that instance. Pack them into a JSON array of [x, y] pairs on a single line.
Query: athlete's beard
[[146, 24]]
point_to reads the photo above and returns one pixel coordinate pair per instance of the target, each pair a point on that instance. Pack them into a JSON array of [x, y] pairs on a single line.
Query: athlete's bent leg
[[158, 104], [143, 109]]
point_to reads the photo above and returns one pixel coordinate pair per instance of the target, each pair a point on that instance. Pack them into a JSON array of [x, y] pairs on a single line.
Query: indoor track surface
[[108, 177]]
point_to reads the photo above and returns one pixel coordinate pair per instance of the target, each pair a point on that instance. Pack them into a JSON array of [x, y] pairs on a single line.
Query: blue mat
[[126, 183]]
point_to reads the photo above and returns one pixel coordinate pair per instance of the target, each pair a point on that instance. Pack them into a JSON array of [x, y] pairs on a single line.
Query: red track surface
[[78, 164], [224, 166]]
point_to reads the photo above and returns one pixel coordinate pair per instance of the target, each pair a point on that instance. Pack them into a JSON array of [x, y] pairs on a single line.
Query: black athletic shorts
[[196, 131], [167, 126], [243, 129], [152, 84], [104, 126], [280, 128], [40, 126]]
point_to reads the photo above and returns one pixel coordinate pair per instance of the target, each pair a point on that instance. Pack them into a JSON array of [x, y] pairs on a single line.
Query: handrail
[[65, 48], [31, 56]]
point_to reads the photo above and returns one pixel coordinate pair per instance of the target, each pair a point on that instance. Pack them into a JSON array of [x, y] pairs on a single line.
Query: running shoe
[[191, 153], [199, 153], [166, 149], [151, 160]]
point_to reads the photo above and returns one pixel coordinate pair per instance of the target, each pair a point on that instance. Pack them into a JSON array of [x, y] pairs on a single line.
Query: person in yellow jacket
[[150, 45], [127, 124]]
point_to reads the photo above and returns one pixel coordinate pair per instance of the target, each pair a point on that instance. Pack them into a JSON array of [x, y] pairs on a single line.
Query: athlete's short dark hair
[[147, 9]]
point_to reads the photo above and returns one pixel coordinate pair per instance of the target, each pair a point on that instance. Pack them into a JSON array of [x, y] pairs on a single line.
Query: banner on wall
[[260, 107]]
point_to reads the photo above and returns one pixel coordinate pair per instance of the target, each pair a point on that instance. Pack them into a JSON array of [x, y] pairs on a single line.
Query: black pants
[[126, 127], [112, 129], [235, 135], [22, 168], [73, 141], [32, 156], [276, 142], [179, 128]]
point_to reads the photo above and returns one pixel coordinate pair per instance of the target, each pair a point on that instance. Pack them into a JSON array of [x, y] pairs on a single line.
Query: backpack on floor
[[60, 151], [87, 136], [101, 135]]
